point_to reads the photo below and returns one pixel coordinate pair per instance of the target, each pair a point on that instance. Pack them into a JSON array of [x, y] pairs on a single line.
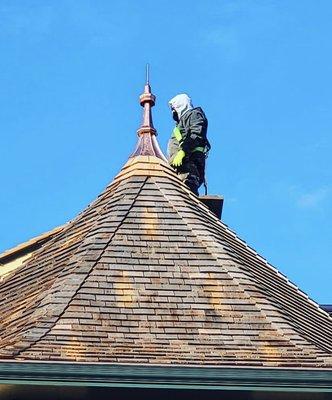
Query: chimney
[[213, 203], [327, 308]]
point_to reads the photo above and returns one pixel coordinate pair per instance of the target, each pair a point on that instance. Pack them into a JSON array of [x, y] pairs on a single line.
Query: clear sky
[[72, 71]]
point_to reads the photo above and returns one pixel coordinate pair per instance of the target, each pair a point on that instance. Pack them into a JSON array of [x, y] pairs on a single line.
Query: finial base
[[147, 145]]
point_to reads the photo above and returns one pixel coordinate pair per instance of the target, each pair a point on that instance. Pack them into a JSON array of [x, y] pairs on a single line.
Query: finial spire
[[147, 144], [147, 101], [147, 73]]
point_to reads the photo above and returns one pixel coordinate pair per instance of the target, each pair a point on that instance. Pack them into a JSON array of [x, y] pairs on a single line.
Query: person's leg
[[189, 175], [198, 158], [192, 171]]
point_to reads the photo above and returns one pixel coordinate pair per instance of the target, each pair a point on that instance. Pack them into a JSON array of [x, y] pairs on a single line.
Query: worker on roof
[[188, 145]]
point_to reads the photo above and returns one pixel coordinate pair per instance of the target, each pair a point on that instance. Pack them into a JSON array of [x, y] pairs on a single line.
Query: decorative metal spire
[[147, 144], [147, 71]]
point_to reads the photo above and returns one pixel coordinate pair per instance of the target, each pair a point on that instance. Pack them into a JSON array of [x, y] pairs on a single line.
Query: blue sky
[[72, 71]]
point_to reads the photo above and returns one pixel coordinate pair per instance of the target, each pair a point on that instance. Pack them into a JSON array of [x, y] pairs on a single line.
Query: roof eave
[[169, 376], [29, 245]]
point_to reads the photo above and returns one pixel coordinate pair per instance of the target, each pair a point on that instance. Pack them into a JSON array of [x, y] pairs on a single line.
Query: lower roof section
[[166, 377], [14, 258]]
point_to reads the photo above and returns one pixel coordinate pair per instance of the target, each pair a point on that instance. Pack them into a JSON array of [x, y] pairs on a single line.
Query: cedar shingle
[[146, 274]]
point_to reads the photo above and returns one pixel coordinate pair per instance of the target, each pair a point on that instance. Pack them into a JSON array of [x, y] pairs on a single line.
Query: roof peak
[[147, 144]]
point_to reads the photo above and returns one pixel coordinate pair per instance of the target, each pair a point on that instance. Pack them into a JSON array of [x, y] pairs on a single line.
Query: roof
[[29, 245], [146, 274], [15, 257]]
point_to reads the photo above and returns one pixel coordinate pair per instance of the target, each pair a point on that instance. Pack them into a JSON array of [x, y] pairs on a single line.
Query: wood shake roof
[[147, 274]]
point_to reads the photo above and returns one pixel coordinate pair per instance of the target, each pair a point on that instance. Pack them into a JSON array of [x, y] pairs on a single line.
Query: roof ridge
[[148, 165]]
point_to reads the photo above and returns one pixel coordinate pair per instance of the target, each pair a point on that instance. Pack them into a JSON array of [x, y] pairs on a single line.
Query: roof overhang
[[161, 377]]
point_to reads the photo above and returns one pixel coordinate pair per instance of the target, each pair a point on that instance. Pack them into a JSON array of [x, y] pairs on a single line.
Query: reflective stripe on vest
[[202, 149]]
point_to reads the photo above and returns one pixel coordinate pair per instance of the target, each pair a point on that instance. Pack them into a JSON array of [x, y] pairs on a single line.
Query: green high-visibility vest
[[178, 136]]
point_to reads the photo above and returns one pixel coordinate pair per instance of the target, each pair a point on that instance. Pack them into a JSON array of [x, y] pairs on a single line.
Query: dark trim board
[[170, 377]]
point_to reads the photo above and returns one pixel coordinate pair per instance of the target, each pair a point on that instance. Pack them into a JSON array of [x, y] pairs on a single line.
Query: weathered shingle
[[146, 274]]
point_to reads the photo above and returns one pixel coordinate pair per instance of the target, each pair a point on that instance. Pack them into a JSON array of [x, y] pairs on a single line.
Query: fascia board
[[157, 376]]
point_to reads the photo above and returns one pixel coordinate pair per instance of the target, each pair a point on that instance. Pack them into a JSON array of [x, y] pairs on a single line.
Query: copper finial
[[147, 142], [147, 100]]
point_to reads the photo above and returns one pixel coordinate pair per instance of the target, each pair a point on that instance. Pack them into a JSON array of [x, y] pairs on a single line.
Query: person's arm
[[196, 127]]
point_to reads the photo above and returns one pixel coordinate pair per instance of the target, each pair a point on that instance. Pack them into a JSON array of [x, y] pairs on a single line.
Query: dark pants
[[192, 170]]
